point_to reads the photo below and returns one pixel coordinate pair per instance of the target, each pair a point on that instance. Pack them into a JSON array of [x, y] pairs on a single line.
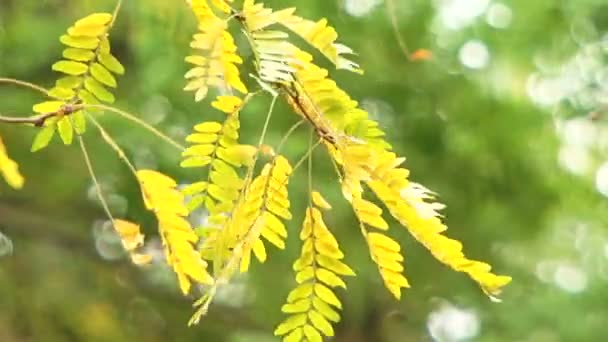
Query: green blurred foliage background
[[507, 122]]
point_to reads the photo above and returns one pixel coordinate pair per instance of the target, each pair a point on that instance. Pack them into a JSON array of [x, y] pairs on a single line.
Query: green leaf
[[64, 126], [70, 67], [98, 90], [111, 63], [69, 82], [103, 75], [62, 93], [79, 121], [44, 137]]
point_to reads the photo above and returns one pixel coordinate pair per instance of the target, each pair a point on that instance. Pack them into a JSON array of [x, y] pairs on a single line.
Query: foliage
[[248, 205]]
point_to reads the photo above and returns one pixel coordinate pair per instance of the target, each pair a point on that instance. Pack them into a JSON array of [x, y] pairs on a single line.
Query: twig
[[114, 145], [39, 120], [288, 134], [87, 160], [135, 119], [116, 10], [390, 11], [24, 84]]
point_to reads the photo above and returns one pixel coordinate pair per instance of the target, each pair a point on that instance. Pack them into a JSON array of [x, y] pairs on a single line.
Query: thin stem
[[267, 122], [304, 157], [87, 160], [110, 141], [260, 143], [390, 10], [310, 170], [135, 119], [19, 120], [24, 84], [288, 134], [336, 168], [116, 11]]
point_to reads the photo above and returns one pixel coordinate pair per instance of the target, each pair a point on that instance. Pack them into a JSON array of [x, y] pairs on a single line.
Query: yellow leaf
[[89, 43], [325, 309], [383, 241], [306, 274], [294, 336], [312, 334], [129, 233], [98, 90], [259, 250], [199, 150], [79, 55], [111, 63], [227, 104], [101, 74], [62, 93], [88, 30], [195, 162], [69, 82], [44, 136], [202, 138], [319, 201], [335, 265], [48, 107], [99, 19], [321, 323], [208, 127], [239, 155], [298, 306], [301, 291], [178, 237], [70, 68], [9, 169], [327, 295], [329, 278], [195, 188], [290, 324], [66, 132], [140, 259]]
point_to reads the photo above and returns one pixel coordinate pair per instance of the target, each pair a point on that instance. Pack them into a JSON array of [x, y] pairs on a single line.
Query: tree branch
[[39, 120]]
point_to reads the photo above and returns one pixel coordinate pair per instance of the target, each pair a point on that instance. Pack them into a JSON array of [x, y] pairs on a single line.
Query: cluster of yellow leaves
[[413, 206], [161, 196], [384, 251], [274, 53], [9, 169], [326, 104], [256, 217], [132, 239], [313, 305], [245, 212], [357, 144], [215, 147], [215, 63], [88, 66], [318, 34], [266, 202], [322, 37]]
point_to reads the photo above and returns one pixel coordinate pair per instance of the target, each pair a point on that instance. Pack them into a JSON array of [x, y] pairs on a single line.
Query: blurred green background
[[507, 121]]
